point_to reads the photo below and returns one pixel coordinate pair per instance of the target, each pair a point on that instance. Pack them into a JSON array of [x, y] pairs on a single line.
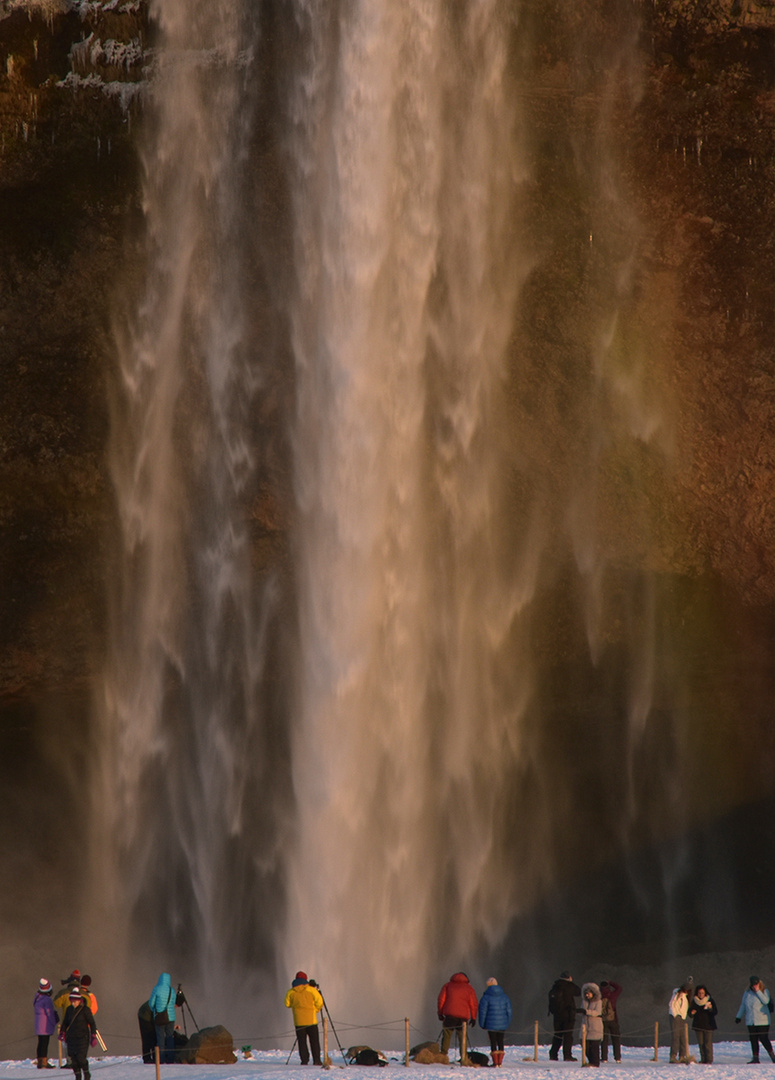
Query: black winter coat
[[562, 1005], [79, 1026], [703, 1019]]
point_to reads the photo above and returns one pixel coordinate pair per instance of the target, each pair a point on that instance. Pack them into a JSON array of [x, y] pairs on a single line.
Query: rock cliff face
[[709, 107], [68, 190]]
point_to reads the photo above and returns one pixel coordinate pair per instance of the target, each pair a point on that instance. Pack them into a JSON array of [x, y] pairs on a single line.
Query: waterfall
[[406, 737], [184, 725], [343, 756]]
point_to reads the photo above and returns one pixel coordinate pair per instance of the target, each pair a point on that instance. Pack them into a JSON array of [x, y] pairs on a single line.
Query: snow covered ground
[[730, 1063]]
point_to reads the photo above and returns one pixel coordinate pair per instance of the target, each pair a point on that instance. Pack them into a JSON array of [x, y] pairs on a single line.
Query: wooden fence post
[[406, 1026], [656, 1040]]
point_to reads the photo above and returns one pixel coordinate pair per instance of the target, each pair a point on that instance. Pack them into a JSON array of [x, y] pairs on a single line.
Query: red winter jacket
[[457, 998]]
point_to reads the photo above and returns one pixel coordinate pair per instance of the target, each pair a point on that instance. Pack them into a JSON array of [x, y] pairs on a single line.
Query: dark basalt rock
[[209, 1046]]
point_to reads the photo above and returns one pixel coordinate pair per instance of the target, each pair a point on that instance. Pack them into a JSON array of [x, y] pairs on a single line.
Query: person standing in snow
[[89, 997], [147, 1033], [495, 1015], [702, 1011], [306, 1001], [162, 1006], [592, 1006], [678, 1009], [562, 1006], [78, 1030], [755, 1007], [45, 1021], [62, 999], [609, 992], [456, 1003]]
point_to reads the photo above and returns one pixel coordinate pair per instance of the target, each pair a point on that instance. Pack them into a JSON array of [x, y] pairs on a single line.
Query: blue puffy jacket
[[495, 1010], [754, 1008], [163, 997]]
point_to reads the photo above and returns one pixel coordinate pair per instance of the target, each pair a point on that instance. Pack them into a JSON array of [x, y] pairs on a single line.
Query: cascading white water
[[180, 716], [395, 810], [407, 736]]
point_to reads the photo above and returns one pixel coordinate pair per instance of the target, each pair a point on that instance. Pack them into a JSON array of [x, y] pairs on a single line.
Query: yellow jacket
[[61, 1001], [306, 1002]]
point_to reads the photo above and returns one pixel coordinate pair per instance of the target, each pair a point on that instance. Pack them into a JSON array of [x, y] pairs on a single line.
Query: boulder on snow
[[428, 1053], [210, 1046]]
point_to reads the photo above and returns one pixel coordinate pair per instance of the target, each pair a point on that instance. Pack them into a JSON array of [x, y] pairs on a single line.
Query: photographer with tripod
[[306, 1002], [161, 1004]]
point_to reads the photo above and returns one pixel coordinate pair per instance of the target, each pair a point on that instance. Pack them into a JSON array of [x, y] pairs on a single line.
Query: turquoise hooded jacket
[[163, 997]]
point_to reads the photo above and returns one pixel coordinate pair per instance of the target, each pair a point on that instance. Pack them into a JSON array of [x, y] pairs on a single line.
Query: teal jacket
[[163, 997]]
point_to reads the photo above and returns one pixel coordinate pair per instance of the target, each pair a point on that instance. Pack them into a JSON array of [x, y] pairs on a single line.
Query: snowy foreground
[[730, 1063]]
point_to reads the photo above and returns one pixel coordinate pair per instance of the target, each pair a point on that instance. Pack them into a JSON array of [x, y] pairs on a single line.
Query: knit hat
[[754, 980], [44, 986], [75, 994], [564, 974], [301, 975], [86, 981], [492, 982]]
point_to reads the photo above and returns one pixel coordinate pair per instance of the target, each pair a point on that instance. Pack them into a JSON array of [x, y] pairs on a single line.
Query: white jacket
[[679, 1003]]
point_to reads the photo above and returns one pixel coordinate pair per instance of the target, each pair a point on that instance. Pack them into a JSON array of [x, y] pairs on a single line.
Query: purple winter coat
[[45, 1015]]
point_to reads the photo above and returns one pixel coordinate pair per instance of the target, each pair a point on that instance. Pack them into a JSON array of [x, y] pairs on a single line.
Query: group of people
[[688, 1002], [599, 1006], [457, 1003], [74, 1006], [73, 1009]]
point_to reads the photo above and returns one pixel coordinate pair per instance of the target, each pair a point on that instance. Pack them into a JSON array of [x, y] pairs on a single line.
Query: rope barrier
[[518, 1036]]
